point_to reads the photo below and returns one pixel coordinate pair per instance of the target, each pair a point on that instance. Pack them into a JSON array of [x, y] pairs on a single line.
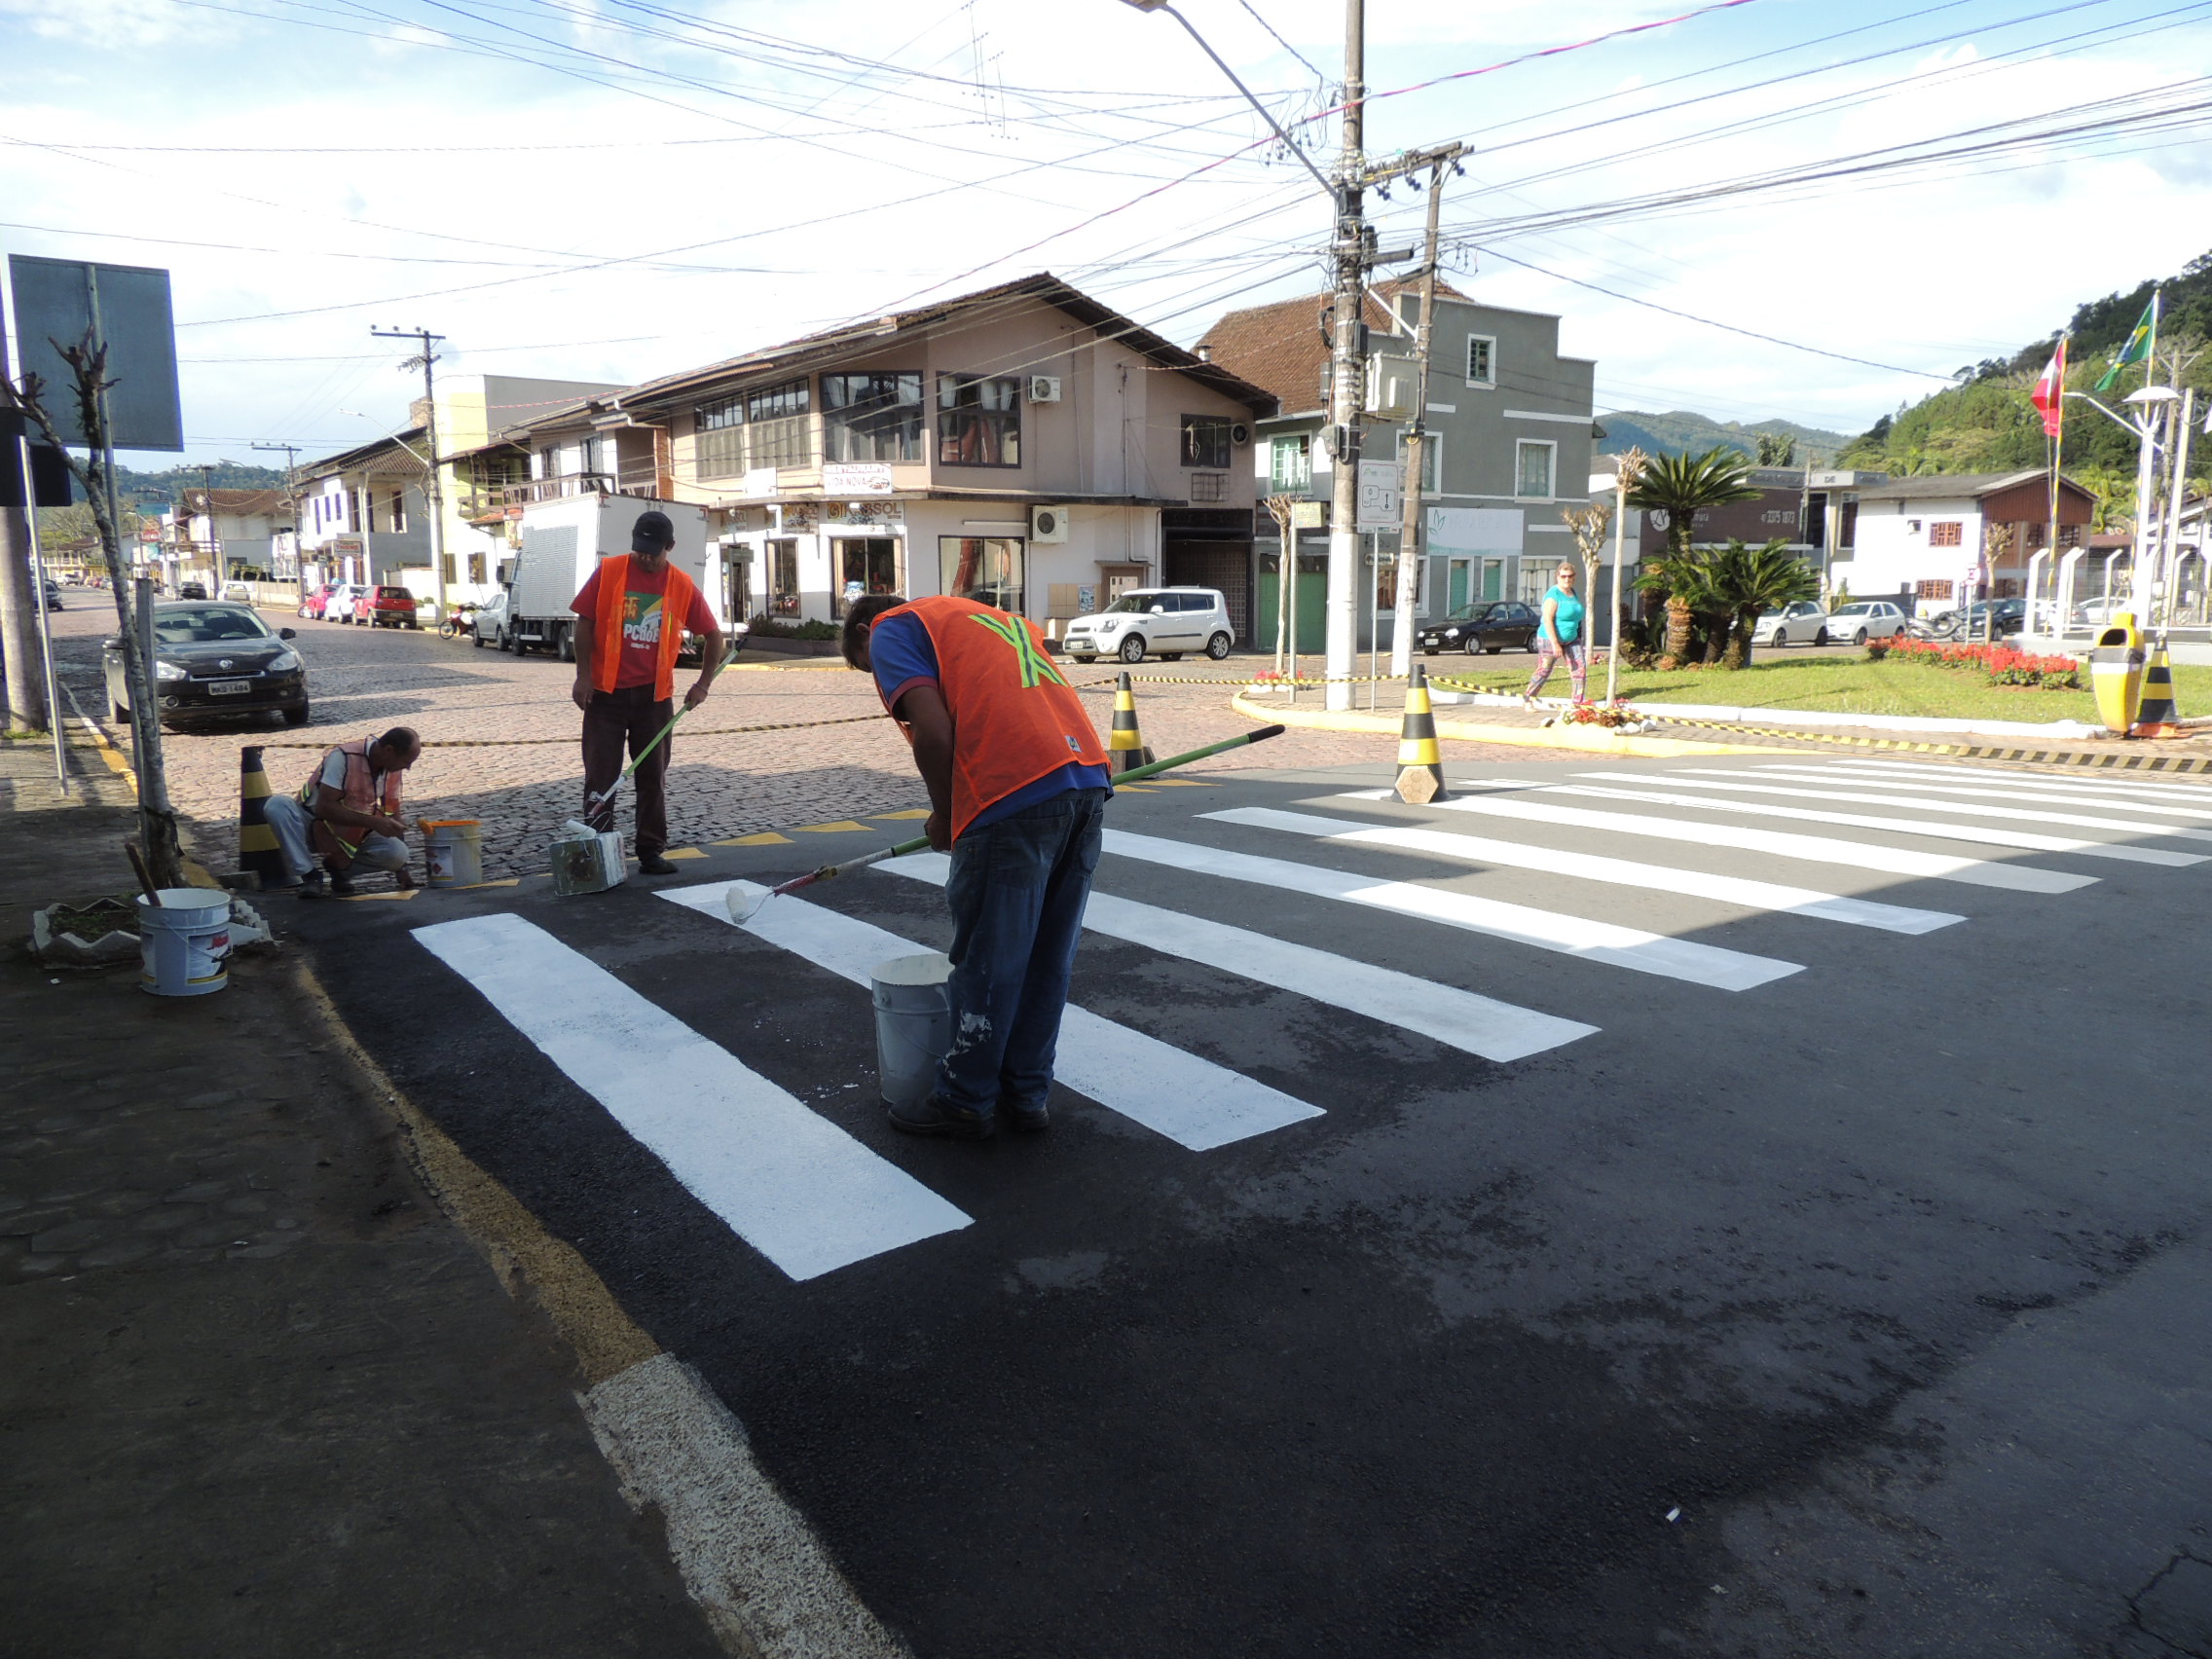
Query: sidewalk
[[263, 1398]]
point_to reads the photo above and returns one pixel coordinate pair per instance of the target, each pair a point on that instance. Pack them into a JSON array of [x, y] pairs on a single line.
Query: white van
[[1167, 620]]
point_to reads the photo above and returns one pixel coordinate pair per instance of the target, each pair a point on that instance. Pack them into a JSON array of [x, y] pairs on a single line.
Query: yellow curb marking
[[471, 887], [910, 812], [841, 824], [369, 898], [767, 839], [685, 853], [1131, 789]]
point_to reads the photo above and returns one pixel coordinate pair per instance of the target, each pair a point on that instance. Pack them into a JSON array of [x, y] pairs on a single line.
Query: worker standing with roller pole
[[1018, 785]]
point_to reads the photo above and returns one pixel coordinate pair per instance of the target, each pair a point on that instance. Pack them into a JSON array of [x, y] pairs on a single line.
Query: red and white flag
[[2049, 394]]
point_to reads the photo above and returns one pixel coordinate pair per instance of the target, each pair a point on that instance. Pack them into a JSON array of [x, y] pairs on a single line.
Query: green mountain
[[1681, 432], [1985, 423], [146, 487]]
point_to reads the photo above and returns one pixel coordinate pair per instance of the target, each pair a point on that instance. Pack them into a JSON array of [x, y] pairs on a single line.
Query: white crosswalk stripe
[[1181, 1095], [1546, 930], [787, 1181], [1901, 795], [1814, 849], [2065, 792], [1591, 867], [1982, 834], [1463, 1019], [2153, 787]]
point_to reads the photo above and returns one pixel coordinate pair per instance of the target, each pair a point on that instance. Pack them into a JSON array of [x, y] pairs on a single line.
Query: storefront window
[[987, 568], [783, 576], [865, 564], [978, 421], [872, 416]]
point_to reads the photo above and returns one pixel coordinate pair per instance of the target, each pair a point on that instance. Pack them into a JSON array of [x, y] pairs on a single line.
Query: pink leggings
[[1547, 657]]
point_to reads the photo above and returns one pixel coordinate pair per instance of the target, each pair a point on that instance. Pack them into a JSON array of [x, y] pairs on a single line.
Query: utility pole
[[1412, 533], [433, 491], [216, 572], [291, 454], [1348, 372]]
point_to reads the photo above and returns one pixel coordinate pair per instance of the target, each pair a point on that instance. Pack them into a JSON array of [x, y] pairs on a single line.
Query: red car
[[312, 604], [391, 607]]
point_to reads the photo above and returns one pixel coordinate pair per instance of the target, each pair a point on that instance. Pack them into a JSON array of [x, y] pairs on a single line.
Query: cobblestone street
[[502, 735]]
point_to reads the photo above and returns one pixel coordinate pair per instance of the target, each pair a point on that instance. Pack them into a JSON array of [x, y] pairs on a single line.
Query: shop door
[[866, 565], [1313, 598]]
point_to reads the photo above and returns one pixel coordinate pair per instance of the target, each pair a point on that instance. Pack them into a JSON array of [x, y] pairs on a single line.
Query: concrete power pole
[[432, 489], [18, 621], [1347, 373], [1412, 530]]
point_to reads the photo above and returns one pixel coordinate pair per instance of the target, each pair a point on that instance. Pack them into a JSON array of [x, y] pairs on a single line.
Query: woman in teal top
[[1560, 634]]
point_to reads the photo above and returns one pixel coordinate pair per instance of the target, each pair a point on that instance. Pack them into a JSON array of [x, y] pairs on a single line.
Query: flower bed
[[2000, 664], [1612, 716]]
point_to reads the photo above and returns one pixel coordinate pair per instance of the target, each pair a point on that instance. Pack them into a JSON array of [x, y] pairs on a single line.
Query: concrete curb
[[1721, 713], [1595, 741], [767, 1585], [2114, 760]]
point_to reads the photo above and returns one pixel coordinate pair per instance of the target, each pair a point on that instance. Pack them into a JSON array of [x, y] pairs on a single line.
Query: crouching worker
[[348, 812], [1018, 789]]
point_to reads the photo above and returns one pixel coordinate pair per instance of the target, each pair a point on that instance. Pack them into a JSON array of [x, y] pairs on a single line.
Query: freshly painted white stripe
[[1546, 930], [1181, 1095], [787, 1181], [2065, 790], [1461, 1019], [1835, 786], [1815, 849], [1591, 866], [1975, 833], [2152, 784]]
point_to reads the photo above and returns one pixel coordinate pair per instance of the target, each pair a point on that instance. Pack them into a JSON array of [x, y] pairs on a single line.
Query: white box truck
[[562, 542]]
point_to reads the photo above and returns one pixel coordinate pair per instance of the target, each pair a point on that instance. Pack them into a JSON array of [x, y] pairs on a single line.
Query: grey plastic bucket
[[453, 852], [913, 1023], [184, 944]]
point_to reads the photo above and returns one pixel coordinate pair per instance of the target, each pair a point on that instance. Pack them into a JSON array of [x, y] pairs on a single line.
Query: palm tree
[[1681, 486], [1751, 581]]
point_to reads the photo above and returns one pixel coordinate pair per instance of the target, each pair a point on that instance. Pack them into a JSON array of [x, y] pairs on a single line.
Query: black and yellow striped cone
[[1420, 763], [1125, 749], [2158, 717], [258, 851]]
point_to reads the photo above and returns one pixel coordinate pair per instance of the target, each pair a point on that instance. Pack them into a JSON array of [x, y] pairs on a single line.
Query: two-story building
[[1923, 540], [1024, 444], [1506, 449], [212, 535]]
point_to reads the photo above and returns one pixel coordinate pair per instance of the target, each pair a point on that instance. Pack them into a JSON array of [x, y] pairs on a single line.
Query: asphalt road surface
[[1749, 1206]]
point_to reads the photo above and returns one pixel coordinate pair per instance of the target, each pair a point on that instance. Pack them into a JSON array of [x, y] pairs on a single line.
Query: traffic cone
[[1125, 749], [1420, 763], [258, 851], [2158, 717]]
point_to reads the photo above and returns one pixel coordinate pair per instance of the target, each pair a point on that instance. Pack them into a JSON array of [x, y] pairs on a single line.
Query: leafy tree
[[1681, 487], [1751, 581], [1777, 449]]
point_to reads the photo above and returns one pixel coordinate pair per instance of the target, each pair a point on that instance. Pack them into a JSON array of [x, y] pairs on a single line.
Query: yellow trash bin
[[2116, 674]]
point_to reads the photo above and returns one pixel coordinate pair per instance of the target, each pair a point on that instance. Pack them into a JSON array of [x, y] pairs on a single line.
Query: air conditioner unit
[[1392, 387], [1047, 523], [1239, 433], [1044, 389]]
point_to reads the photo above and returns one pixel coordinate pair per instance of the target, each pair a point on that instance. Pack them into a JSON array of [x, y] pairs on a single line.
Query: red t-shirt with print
[[642, 606]]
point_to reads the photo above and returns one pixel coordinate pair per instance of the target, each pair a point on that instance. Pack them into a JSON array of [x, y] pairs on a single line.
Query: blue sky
[[612, 188]]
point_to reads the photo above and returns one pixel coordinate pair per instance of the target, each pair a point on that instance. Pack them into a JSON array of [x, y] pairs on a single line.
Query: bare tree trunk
[[1678, 633], [1740, 639], [18, 622]]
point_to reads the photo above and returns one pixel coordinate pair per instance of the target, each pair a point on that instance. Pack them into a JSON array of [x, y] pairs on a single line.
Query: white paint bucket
[[913, 1023], [588, 862], [184, 944], [452, 851]]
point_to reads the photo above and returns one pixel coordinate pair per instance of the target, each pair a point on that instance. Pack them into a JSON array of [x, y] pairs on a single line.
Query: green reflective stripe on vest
[[1036, 667]]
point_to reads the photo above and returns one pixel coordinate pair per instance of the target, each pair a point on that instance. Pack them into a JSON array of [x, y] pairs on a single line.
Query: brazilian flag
[[2138, 345]]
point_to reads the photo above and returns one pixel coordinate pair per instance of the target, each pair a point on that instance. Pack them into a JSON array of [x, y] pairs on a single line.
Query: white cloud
[[105, 23]]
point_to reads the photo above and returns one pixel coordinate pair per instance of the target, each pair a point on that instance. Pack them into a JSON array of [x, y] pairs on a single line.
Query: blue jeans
[[1016, 894]]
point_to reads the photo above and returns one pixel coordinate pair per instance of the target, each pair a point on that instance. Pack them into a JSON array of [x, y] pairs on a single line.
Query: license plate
[[229, 687]]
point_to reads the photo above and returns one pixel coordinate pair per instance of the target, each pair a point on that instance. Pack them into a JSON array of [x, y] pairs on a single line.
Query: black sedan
[[1485, 625], [215, 659], [1982, 619]]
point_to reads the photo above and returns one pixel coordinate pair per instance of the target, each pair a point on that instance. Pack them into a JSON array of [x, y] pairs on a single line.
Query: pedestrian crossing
[[1383, 916]]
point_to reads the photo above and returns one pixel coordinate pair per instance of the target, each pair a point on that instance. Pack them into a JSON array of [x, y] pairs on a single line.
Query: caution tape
[[528, 742]]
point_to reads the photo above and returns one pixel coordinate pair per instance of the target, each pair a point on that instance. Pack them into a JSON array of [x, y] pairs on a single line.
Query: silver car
[[1804, 623], [1867, 619]]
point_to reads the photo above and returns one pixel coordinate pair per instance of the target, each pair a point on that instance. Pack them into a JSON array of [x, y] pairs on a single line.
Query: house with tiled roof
[[1506, 451], [1023, 444], [1933, 540]]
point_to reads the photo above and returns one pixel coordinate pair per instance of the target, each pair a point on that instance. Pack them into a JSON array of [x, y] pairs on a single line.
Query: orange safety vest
[[1014, 717], [675, 606], [360, 782]]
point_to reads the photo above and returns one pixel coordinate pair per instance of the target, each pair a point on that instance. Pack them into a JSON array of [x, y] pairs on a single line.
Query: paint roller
[[745, 903]]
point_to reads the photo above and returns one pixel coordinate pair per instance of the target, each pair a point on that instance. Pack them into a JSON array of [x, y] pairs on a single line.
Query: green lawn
[[1841, 685]]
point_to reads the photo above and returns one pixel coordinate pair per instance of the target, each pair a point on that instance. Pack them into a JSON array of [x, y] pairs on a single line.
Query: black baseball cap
[[652, 533]]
